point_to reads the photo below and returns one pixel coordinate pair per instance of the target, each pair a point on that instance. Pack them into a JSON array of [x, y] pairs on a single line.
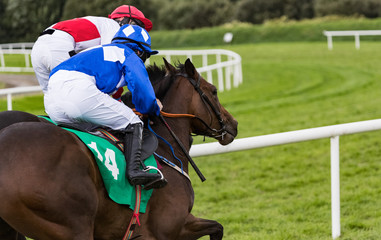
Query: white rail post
[[220, 74], [204, 64], [168, 57], [335, 187], [329, 41], [2, 61], [209, 76], [190, 57], [227, 77], [357, 40], [27, 62], [9, 101], [204, 60]]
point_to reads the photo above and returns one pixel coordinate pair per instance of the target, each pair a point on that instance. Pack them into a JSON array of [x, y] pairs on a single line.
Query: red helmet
[[131, 12]]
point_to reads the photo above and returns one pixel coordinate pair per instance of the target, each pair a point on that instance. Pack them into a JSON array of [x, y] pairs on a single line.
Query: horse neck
[[181, 127]]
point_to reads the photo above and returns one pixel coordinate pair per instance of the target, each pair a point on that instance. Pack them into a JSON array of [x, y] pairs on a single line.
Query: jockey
[[79, 92], [64, 39]]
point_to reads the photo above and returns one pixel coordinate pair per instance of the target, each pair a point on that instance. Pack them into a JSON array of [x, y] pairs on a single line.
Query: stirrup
[[157, 183]]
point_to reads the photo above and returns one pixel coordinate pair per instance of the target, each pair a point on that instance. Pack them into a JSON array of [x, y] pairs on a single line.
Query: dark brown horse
[[51, 188]]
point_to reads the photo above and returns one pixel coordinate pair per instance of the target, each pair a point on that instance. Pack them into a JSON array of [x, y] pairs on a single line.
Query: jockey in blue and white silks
[[79, 91], [79, 88]]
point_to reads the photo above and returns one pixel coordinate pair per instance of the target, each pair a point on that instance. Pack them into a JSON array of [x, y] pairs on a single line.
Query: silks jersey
[[89, 31], [113, 66]]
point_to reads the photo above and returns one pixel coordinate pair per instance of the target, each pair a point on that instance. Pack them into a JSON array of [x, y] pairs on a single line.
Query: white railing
[[231, 66], [226, 70], [355, 33], [16, 48], [18, 90], [332, 132]]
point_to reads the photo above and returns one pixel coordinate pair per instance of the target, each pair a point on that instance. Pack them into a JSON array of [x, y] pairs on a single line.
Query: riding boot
[[132, 152]]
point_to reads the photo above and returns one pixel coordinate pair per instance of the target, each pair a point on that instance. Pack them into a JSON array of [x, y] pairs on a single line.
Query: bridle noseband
[[196, 84]]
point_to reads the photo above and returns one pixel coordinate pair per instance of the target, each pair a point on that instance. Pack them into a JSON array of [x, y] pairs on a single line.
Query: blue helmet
[[135, 37]]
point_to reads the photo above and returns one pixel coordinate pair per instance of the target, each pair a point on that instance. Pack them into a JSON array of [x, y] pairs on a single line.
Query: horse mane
[[161, 81], [156, 73]]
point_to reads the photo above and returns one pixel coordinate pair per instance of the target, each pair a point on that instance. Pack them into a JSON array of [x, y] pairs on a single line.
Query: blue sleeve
[[136, 77]]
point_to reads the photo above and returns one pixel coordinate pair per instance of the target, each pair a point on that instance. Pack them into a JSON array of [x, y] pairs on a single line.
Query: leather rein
[[215, 133]]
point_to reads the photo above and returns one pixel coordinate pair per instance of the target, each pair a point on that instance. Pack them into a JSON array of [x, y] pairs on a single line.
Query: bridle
[[196, 84], [215, 133]]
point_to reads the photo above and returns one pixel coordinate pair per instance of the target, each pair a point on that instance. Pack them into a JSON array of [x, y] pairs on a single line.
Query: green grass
[[15, 60], [283, 192]]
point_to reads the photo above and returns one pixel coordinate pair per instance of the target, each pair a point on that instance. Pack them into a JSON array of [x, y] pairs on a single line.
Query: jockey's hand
[[159, 103]]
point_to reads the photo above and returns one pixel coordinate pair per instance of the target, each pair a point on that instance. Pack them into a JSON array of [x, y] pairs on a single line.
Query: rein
[[219, 133], [215, 133], [201, 176]]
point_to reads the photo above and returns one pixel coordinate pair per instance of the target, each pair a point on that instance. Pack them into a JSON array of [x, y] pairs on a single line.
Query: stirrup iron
[[158, 183]]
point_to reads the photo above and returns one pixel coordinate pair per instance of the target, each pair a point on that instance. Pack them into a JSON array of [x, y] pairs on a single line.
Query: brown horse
[[51, 187]]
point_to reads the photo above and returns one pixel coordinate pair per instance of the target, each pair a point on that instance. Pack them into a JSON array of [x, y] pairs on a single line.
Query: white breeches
[[73, 97], [49, 51]]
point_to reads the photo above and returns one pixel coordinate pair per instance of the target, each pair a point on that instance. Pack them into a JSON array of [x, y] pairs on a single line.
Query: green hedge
[[281, 30]]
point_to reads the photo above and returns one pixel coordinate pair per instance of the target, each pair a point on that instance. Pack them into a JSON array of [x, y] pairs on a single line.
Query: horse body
[[51, 187], [39, 188]]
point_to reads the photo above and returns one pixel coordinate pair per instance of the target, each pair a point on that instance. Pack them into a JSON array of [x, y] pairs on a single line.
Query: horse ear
[[169, 67], [190, 69]]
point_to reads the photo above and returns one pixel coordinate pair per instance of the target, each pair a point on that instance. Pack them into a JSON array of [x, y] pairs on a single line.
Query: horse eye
[[214, 91]]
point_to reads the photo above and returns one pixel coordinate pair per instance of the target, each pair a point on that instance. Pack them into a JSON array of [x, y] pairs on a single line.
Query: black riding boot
[[132, 153]]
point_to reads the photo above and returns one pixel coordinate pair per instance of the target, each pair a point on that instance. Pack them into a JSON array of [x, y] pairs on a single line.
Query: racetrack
[[17, 80]]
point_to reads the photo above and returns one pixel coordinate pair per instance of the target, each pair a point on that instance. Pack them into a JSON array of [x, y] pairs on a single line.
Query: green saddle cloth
[[112, 166]]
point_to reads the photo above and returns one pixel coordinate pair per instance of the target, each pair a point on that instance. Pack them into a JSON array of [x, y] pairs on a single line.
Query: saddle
[[110, 160], [149, 144]]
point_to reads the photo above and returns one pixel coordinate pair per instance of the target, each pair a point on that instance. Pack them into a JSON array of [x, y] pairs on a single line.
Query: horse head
[[190, 89]]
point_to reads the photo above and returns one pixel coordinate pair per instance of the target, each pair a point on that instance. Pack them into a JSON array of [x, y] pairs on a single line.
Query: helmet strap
[[124, 21], [143, 55]]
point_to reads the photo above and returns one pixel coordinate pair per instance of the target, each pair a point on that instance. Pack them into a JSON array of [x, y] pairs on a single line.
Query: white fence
[[18, 90], [228, 69], [355, 33], [16, 48], [332, 132], [226, 64]]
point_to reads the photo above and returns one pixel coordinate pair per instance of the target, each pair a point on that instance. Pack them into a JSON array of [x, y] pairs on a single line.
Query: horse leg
[[8, 233], [195, 228]]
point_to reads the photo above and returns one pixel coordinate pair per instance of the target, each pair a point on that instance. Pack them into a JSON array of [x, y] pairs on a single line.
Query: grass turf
[[283, 192]]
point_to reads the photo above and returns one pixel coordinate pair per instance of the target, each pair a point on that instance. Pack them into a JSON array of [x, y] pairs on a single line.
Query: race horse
[[51, 187]]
